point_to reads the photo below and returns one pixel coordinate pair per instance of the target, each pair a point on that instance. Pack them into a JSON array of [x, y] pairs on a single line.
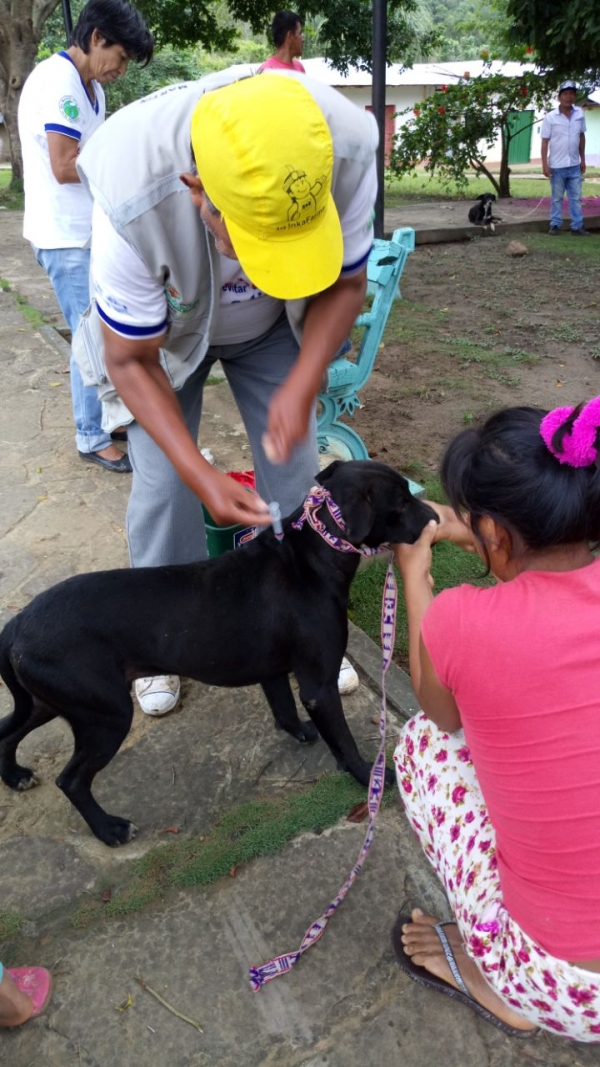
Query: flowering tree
[[454, 128]]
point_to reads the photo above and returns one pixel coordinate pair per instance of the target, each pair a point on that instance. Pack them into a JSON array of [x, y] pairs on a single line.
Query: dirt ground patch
[[477, 330]]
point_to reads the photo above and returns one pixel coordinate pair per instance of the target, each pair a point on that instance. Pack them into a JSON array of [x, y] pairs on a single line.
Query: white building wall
[[408, 87]]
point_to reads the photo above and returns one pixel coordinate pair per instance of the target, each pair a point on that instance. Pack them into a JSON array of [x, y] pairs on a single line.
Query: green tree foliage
[[188, 22], [461, 26], [346, 34], [564, 33], [344, 26], [454, 128]]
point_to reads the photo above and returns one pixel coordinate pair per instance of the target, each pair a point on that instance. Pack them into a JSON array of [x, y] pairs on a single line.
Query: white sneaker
[[347, 678], [157, 695]]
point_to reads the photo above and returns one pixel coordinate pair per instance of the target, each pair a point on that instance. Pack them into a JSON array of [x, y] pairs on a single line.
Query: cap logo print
[[304, 207]]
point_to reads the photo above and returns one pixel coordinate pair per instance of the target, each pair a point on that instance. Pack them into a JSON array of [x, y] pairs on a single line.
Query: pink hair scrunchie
[[579, 446]]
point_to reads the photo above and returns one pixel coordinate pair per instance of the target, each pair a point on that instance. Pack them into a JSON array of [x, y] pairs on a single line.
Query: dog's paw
[[115, 831], [306, 733], [28, 780], [20, 778]]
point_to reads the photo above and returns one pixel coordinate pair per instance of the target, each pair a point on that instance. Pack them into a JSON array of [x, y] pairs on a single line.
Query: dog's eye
[[394, 515]]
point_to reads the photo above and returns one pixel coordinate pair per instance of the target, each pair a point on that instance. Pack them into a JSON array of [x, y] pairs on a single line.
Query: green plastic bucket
[[220, 539]]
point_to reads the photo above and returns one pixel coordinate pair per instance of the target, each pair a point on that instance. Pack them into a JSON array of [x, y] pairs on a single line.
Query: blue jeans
[[566, 180], [69, 271]]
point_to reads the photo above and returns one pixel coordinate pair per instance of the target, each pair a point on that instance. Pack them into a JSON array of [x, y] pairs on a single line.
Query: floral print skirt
[[445, 806]]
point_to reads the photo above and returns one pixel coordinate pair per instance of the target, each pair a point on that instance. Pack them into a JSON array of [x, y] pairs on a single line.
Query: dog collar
[[315, 499]]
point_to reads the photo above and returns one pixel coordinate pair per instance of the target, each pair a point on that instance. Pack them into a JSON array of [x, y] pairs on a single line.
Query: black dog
[[481, 212], [248, 616]]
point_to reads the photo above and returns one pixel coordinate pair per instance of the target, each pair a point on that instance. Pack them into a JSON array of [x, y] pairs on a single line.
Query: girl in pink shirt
[[500, 772]]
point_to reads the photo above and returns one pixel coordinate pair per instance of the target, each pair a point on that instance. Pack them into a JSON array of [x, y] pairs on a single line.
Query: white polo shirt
[[55, 100], [133, 304], [563, 134]]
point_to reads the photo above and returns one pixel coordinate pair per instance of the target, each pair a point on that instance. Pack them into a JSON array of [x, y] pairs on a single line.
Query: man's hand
[[582, 166], [138, 377], [329, 318], [289, 414], [230, 503], [547, 171]]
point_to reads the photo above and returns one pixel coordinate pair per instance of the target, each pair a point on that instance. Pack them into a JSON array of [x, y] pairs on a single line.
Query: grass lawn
[[420, 186], [11, 200]]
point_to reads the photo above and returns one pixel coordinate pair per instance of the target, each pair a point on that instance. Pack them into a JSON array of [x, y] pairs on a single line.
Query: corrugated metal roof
[[419, 74]]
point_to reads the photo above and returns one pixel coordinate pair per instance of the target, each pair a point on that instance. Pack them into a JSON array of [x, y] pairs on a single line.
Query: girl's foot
[[24, 992], [422, 944]]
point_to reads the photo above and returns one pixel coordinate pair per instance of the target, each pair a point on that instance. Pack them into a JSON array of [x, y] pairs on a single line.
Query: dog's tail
[[23, 700]]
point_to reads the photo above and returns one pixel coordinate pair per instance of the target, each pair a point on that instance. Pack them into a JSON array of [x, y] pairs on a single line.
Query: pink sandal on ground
[[36, 983]]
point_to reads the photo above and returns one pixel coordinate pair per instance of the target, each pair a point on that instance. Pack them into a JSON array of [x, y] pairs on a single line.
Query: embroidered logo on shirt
[[68, 107], [175, 302], [304, 207]]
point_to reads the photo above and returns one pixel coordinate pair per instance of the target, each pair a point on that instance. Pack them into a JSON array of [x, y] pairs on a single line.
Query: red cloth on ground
[[522, 660]]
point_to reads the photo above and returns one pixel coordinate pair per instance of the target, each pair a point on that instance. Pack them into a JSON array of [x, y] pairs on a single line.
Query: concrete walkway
[[441, 221], [347, 1004]]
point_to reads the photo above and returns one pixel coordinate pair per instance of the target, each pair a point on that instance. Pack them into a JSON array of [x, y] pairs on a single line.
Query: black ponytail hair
[[504, 470]]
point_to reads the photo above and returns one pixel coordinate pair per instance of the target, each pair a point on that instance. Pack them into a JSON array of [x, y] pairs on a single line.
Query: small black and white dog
[[481, 212]]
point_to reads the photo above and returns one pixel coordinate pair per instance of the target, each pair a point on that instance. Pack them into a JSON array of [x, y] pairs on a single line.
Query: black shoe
[[119, 466], [580, 233], [554, 231]]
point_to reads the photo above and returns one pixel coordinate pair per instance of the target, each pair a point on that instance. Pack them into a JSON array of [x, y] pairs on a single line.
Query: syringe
[[275, 512]]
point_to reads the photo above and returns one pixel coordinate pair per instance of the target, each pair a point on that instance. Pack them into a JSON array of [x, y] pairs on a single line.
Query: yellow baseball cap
[[265, 157]]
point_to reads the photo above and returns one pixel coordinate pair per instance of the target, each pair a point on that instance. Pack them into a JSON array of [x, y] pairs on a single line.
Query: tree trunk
[[504, 176], [21, 25], [480, 168]]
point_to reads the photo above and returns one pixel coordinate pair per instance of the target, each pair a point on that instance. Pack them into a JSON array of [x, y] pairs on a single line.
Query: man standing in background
[[61, 106], [563, 132], [288, 38]]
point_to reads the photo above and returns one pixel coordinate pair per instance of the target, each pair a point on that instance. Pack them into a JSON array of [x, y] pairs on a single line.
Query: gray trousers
[[165, 523]]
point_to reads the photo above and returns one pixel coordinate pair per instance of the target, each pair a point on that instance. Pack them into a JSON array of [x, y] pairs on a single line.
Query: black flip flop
[[421, 975]]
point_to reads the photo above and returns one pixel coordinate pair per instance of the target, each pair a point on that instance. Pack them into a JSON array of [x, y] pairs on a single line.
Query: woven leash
[[282, 964]]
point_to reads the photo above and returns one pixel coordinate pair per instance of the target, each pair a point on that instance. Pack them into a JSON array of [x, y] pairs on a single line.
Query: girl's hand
[[452, 527], [414, 561]]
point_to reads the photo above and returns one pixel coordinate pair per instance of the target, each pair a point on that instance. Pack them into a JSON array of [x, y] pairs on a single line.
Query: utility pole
[[67, 19], [379, 66]]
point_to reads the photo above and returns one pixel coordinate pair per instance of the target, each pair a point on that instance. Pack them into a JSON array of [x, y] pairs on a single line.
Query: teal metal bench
[[345, 377]]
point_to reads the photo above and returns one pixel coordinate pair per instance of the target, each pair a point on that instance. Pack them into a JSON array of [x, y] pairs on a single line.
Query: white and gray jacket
[[131, 167]]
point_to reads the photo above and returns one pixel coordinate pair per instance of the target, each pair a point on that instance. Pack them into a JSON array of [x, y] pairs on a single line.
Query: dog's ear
[[324, 476], [358, 515]]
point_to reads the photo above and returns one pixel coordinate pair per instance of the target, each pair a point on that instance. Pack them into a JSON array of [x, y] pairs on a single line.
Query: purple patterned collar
[[315, 499]]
